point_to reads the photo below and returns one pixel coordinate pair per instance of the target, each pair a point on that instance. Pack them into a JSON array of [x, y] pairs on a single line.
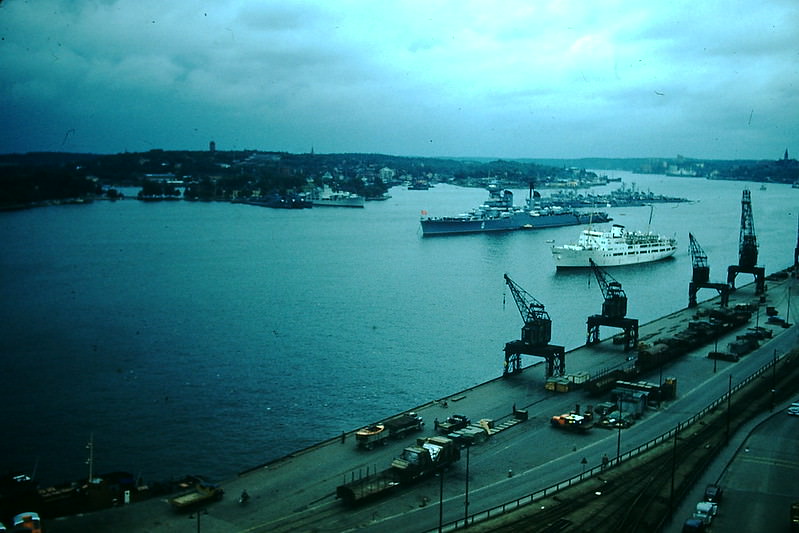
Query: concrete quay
[[297, 492]]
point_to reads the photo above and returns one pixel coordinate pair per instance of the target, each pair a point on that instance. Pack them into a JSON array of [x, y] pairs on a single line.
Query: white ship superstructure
[[614, 248]]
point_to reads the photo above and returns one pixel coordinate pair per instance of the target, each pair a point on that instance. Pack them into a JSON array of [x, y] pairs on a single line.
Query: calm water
[[210, 338]]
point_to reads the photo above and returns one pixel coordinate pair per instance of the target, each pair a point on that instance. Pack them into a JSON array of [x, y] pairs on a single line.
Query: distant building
[[387, 174], [212, 146]]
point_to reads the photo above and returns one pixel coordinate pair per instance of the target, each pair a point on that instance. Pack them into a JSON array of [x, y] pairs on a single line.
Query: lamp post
[[773, 379], [729, 395], [673, 466], [441, 500], [199, 512], [618, 440], [466, 500]]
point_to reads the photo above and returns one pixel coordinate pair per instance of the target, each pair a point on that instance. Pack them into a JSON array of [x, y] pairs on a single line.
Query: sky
[[717, 79]]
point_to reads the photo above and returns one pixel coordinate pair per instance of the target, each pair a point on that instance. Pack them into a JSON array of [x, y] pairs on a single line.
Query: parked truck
[[203, 493], [574, 420], [453, 423], [424, 458], [394, 427]]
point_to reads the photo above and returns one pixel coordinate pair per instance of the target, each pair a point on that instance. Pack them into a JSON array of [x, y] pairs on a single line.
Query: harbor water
[[208, 338]]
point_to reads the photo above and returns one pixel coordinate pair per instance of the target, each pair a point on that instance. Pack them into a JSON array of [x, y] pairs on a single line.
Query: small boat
[[615, 247]]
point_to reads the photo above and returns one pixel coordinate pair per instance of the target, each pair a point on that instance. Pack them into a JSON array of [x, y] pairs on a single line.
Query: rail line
[[639, 495]]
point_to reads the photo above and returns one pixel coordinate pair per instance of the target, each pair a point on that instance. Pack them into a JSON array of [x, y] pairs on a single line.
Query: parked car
[[713, 493]]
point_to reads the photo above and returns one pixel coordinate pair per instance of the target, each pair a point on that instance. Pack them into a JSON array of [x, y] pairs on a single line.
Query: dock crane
[[614, 309], [796, 253], [747, 249], [536, 334], [701, 275]]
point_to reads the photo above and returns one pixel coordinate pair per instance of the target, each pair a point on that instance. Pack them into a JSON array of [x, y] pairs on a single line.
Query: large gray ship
[[499, 214]]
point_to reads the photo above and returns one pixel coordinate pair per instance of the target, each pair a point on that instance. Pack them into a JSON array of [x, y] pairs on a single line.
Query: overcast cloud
[[715, 79]]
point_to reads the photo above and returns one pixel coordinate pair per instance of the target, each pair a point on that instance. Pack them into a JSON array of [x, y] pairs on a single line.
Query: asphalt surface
[[297, 493], [757, 472]]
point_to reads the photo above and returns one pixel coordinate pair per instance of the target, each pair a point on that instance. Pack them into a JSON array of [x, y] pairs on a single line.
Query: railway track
[[640, 494]]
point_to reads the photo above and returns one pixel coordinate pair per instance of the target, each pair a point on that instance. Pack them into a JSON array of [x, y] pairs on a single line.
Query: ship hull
[[566, 258], [455, 226], [522, 220], [338, 202], [564, 219]]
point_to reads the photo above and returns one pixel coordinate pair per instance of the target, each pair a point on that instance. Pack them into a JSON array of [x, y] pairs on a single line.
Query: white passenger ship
[[614, 248]]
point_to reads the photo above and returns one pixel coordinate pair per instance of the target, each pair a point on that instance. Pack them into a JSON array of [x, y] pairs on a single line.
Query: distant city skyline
[[510, 79]]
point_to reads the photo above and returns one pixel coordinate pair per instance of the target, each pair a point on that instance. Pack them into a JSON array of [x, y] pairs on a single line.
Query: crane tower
[[701, 275], [747, 248], [535, 336], [796, 253], [614, 309]]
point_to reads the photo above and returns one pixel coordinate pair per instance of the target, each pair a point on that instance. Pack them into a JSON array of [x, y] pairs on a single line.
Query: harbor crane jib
[[700, 278], [614, 310], [747, 248], [535, 336]]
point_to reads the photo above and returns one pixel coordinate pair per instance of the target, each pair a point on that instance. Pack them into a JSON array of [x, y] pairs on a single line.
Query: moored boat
[[330, 198], [615, 247]]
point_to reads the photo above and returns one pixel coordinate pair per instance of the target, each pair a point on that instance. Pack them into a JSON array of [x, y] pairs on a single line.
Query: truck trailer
[[426, 457], [395, 427], [202, 493]]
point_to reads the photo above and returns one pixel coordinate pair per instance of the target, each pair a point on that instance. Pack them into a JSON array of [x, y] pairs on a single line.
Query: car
[[713, 493], [692, 525], [793, 411]]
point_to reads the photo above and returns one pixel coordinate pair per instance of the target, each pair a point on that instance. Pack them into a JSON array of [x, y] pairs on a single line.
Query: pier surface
[[297, 492]]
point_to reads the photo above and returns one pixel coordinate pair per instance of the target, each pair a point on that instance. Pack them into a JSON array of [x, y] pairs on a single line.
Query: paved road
[[297, 493], [758, 472]]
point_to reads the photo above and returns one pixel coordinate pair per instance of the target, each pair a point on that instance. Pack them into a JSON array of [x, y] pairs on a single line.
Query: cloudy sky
[[529, 78]]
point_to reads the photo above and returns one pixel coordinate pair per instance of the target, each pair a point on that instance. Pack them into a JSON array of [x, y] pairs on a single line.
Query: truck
[[453, 423], [395, 427], [573, 420], [427, 456], [203, 492]]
